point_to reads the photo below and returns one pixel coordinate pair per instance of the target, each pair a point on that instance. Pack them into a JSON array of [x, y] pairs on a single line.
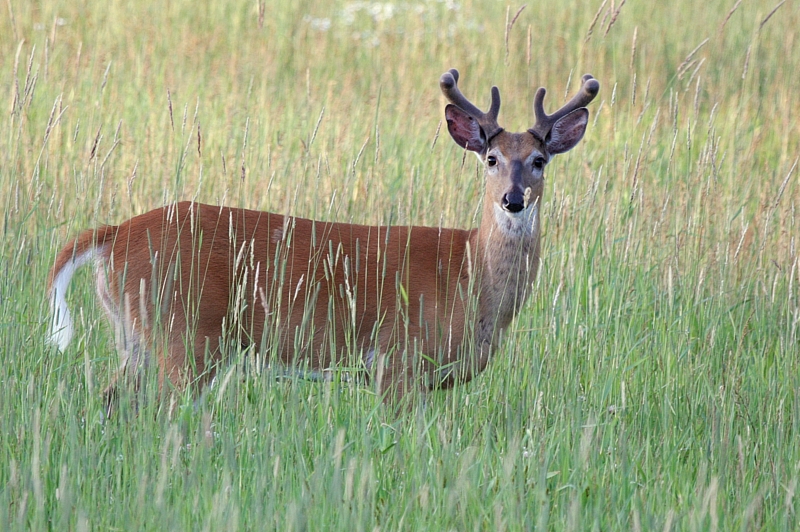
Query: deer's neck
[[507, 258]]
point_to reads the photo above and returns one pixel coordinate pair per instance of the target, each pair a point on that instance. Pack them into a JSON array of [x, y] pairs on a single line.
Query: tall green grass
[[651, 382]]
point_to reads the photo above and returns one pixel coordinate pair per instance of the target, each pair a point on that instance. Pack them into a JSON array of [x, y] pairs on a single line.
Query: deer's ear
[[464, 129], [568, 131]]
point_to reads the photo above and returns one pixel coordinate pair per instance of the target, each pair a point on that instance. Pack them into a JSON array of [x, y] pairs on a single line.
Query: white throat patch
[[517, 224]]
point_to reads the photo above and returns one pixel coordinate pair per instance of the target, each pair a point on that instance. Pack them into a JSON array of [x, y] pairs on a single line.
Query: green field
[[652, 381]]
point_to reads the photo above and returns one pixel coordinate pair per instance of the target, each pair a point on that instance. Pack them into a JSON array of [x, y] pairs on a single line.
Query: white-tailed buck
[[419, 307]]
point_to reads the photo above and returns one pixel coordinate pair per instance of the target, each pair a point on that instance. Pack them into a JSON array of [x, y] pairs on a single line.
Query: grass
[[651, 382]]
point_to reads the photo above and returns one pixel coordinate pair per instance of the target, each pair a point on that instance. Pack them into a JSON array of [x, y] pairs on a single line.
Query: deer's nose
[[513, 201]]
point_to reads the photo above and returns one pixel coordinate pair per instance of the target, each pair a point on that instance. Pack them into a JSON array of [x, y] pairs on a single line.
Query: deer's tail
[[90, 245]]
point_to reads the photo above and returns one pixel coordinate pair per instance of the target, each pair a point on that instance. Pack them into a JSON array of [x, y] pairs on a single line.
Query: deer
[[418, 308]]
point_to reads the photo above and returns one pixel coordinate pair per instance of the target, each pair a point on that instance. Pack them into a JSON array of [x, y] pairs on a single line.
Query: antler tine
[[544, 122], [494, 109], [449, 85], [488, 121]]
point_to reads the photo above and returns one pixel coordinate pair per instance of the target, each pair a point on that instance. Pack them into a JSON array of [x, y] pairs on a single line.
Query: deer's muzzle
[[514, 200]]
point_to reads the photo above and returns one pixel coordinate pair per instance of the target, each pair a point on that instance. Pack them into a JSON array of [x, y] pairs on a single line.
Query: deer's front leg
[[398, 381]]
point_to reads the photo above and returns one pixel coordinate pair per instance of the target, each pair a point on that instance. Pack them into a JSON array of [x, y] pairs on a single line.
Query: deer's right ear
[[568, 131], [464, 129]]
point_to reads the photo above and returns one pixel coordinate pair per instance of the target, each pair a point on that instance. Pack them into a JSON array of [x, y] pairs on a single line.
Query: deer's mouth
[[516, 224]]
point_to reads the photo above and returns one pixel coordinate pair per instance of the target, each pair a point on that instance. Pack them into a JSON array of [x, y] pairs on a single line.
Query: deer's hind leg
[[190, 359], [129, 322]]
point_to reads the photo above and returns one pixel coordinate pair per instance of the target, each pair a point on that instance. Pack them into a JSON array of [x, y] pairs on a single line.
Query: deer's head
[[514, 162]]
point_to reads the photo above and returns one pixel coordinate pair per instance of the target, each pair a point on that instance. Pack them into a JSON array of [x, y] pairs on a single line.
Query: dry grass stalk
[[730, 13], [614, 17], [594, 21], [510, 25]]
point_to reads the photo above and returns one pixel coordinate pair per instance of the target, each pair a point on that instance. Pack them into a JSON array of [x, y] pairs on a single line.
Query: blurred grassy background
[[651, 382]]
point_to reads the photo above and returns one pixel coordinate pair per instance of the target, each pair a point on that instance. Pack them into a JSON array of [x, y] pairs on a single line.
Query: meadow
[[652, 381]]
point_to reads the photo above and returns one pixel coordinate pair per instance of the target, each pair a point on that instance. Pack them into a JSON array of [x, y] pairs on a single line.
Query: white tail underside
[[61, 329]]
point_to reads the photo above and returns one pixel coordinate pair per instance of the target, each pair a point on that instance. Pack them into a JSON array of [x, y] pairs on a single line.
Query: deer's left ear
[[465, 129], [568, 131]]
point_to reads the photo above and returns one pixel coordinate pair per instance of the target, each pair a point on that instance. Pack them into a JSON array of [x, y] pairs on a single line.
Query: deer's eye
[[538, 163], [491, 160]]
